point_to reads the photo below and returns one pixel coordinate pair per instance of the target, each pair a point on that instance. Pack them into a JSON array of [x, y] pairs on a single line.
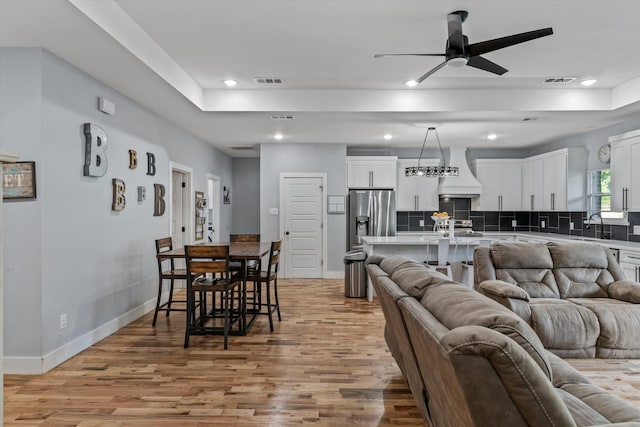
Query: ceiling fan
[[459, 52]]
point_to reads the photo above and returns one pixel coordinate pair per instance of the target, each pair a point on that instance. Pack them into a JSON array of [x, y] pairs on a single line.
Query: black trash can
[[355, 274]]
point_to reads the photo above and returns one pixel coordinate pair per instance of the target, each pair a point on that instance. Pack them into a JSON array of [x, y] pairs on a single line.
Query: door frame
[[187, 208], [215, 204], [323, 178]]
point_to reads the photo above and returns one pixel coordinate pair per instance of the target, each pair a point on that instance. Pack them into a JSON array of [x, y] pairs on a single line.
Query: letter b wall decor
[[95, 156]]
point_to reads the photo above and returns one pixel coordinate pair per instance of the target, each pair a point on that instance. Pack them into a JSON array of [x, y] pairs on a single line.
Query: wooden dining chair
[[260, 278], [208, 266], [167, 271]]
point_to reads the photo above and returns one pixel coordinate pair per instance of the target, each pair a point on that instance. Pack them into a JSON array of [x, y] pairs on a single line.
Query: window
[[599, 190]]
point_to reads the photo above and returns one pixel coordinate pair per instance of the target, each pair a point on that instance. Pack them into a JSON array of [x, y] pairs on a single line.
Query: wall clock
[[604, 153]]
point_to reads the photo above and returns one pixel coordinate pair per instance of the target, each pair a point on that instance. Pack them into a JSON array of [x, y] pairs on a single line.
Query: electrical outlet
[[422, 223], [636, 229], [542, 224], [571, 226], [514, 223], [63, 321]]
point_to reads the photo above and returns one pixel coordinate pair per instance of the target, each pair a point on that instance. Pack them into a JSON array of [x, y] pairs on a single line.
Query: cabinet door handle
[[626, 199], [499, 203], [553, 201], [532, 204], [633, 257], [416, 202], [637, 274], [370, 178]]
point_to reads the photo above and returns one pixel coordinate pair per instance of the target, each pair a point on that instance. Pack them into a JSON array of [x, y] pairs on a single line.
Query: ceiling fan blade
[[384, 55], [480, 48], [431, 71], [486, 65], [454, 26]]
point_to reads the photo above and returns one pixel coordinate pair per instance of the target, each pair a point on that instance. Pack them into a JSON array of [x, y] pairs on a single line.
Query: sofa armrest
[[511, 296], [498, 288], [625, 290]]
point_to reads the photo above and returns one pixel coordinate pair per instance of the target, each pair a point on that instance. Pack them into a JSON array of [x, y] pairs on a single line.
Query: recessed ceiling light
[[278, 136], [588, 82], [230, 82], [387, 136], [492, 136], [411, 83]]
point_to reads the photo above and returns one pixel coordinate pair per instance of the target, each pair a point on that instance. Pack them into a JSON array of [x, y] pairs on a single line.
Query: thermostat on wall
[[106, 106]]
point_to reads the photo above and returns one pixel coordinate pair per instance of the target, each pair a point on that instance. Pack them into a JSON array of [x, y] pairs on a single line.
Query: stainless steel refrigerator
[[371, 213]]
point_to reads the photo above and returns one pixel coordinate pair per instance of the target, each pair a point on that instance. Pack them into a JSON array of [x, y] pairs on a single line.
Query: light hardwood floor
[[326, 364]]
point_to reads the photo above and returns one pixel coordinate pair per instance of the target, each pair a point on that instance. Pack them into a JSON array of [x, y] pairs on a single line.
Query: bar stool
[[467, 265], [442, 263], [260, 278], [167, 271]]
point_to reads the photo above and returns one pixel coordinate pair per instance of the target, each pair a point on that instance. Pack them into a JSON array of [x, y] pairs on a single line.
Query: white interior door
[[303, 245]]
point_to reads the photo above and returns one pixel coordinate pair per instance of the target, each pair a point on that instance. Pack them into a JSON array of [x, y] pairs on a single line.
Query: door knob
[[286, 232]]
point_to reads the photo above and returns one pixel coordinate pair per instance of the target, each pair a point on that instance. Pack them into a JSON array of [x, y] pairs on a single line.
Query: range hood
[[464, 185]]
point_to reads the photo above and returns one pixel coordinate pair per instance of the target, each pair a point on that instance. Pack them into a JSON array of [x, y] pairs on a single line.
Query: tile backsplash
[[541, 221]]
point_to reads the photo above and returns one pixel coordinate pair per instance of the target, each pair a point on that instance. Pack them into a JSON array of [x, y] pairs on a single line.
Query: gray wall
[[246, 195], [68, 252], [591, 140], [289, 158]]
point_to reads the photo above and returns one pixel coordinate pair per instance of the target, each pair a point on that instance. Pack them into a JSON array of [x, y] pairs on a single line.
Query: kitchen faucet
[[603, 235]]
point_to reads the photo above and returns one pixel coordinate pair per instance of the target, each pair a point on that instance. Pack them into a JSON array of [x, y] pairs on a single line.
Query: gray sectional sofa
[[573, 294], [470, 361]]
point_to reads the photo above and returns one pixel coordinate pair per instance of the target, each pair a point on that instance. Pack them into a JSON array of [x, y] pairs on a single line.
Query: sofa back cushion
[[527, 265], [413, 277], [580, 269], [455, 306]]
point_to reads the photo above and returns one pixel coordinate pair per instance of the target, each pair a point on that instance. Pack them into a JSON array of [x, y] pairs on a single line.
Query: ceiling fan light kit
[[458, 51], [431, 171]]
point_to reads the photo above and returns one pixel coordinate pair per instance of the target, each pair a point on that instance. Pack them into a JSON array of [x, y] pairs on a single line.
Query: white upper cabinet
[[625, 172], [416, 193], [555, 181], [371, 172], [501, 181]]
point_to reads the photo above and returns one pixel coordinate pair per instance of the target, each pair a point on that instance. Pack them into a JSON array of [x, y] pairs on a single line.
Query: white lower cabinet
[[630, 263], [416, 193]]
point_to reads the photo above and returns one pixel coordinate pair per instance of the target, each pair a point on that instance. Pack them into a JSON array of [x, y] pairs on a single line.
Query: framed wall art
[[226, 195], [19, 180]]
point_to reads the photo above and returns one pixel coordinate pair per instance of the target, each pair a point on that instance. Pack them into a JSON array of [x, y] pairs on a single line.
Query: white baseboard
[[40, 365], [334, 275]]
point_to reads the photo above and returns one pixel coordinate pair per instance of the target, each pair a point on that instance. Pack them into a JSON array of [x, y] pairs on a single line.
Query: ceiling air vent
[[559, 79], [268, 80], [243, 147], [283, 117]]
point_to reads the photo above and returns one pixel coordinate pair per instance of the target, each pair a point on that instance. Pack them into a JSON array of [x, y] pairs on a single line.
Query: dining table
[[238, 251]]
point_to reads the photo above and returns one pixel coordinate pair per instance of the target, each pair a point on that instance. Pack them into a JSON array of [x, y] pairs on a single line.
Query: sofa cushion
[[491, 365], [582, 414], [567, 329], [455, 306], [563, 373], [619, 326], [414, 278], [527, 265], [610, 407], [391, 263]]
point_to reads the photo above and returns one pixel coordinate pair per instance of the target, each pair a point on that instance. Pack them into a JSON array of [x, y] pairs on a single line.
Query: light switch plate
[[636, 229], [422, 223], [571, 226], [273, 211], [514, 223], [542, 224]]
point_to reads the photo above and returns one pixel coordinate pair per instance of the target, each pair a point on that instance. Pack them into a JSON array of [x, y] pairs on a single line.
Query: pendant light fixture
[[432, 171]]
